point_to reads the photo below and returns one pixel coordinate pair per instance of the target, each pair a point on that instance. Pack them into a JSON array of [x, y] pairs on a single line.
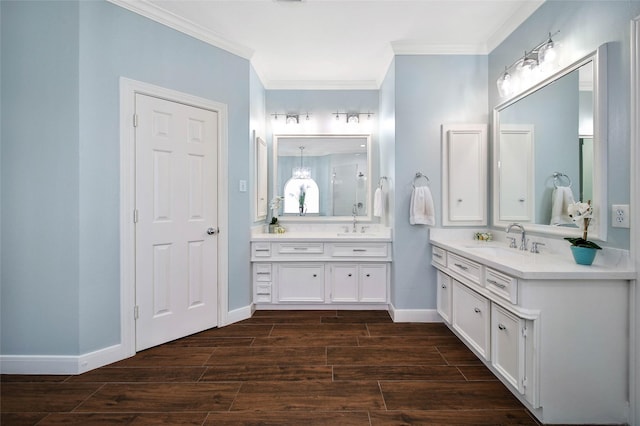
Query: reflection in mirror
[[322, 175], [548, 151]]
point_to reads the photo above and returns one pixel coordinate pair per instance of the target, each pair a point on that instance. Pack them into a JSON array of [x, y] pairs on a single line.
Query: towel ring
[[381, 180], [557, 176], [418, 176]]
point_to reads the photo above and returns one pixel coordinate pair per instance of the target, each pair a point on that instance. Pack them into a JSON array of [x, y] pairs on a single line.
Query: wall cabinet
[[302, 273], [464, 174]]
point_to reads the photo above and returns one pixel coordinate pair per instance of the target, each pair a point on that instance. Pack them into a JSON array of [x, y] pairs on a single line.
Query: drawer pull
[[464, 268], [263, 249], [360, 250], [263, 273], [301, 248], [477, 310], [438, 255], [502, 327], [496, 283]]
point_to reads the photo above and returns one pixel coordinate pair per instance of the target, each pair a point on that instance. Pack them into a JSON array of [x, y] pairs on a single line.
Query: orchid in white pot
[[582, 215]]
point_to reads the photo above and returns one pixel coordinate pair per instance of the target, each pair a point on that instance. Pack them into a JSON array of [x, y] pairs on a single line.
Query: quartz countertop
[[377, 234], [552, 263]]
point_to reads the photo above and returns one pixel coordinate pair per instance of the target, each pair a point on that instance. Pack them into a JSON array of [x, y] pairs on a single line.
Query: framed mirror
[[322, 177], [549, 149]]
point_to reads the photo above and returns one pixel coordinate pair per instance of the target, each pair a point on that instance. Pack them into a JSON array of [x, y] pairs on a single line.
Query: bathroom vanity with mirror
[[553, 135], [554, 332], [303, 269]]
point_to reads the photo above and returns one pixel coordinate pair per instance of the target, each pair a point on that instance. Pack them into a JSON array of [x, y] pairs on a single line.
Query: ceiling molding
[[320, 84], [512, 23], [164, 17], [418, 48]]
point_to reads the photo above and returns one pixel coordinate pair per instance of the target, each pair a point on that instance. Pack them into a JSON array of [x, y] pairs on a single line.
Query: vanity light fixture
[[534, 64], [353, 117], [291, 117]]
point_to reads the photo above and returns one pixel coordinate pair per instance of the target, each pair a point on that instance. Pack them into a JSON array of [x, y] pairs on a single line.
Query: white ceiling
[[332, 44]]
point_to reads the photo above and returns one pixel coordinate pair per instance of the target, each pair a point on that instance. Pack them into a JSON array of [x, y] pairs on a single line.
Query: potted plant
[[274, 205], [583, 250]]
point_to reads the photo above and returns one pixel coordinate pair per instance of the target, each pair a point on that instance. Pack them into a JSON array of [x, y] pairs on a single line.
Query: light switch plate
[[243, 186], [620, 215]]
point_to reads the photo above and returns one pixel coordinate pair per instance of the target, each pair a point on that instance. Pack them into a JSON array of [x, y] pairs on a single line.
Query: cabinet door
[[471, 317], [464, 174], [373, 283], [300, 282], [344, 283], [444, 296], [507, 346]]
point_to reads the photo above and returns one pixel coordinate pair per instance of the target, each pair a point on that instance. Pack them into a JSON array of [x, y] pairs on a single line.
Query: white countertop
[[327, 233], [552, 263]]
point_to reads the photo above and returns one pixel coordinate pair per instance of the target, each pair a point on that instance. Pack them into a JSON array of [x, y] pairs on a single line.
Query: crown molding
[[171, 20], [510, 25], [320, 84], [418, 48]]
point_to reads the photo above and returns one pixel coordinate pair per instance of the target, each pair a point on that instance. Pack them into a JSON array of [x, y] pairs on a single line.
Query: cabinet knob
[[349, 275], [477, 310], [368, 275], [502, 327], [315, 275], [444, 286]]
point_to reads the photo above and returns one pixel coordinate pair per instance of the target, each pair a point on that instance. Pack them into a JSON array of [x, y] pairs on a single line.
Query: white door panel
[[176, 200]]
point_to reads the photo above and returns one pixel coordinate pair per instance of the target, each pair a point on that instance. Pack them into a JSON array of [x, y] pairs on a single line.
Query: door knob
[[212, 231]]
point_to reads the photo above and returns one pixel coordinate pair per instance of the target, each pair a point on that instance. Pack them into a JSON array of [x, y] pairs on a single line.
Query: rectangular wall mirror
[[322, 177], [549, 147]]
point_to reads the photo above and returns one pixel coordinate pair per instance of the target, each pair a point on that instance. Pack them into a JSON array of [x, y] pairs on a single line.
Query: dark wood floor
[[279, 368]]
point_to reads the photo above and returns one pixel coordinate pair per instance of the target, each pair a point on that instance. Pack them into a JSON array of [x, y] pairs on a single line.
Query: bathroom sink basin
[[495, 251]]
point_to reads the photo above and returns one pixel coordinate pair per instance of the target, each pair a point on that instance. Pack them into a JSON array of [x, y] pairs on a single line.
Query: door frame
[[128, 90], [634, 234]]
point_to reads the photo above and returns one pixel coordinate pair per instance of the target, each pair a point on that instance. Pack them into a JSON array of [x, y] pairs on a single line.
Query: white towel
[[421, 211], [561, 197], [378, 203]]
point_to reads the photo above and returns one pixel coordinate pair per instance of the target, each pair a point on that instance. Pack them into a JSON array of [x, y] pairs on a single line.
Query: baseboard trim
[[61, 364], [239, 314], [414, 315]]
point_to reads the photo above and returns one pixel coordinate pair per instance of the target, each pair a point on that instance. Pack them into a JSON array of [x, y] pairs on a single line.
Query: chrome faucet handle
[[535, 245], [513, 242], [363, 228]]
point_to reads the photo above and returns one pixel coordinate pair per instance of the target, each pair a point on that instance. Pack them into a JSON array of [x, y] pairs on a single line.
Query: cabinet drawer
[[261, 249], [262, 272], [471, 317], [502, 285], [359, 250], [507, 346], [263, 293], [464, 267], [439, 256], [300, 248]]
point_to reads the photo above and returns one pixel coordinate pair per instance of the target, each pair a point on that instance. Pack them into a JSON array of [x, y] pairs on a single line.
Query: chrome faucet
[[523, 239], [355, 221]]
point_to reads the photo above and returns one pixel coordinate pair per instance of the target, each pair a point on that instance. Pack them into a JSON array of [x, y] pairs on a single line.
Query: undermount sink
[[493, 250]]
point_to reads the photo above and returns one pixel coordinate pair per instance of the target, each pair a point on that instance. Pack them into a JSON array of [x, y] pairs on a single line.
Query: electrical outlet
[[620, 215], [243, 186]]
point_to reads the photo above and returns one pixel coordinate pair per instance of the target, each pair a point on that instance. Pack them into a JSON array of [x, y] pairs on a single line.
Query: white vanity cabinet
[[289, 273], [556, 335]]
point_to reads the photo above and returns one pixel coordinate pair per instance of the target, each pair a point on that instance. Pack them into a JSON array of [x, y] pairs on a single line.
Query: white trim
[[128, 89], [320, 84], [511, 24], [321, 307], [60, 364], [185, 26], [419, 48], [414, 315], [634, 246], [240, 314]]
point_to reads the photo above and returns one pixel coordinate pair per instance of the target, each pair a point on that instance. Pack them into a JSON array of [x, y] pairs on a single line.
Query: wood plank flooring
[[279, 368]]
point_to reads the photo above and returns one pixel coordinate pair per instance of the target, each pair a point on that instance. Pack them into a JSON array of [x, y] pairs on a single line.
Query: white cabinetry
[[464, 174], [301, 273], [558, 342], [471, 317]]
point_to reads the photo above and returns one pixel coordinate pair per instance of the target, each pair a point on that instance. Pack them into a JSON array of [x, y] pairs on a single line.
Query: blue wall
[[583, 27], [60, 198], [429, 91]]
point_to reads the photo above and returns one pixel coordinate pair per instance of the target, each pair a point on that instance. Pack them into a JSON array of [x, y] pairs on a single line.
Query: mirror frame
[[274, 176], [600, 112]]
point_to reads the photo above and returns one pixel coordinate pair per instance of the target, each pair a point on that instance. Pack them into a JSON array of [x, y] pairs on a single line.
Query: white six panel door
[[176, 203]]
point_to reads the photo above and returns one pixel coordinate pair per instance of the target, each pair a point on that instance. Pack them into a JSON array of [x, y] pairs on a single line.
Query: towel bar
[[418, 176], [556, 179]]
